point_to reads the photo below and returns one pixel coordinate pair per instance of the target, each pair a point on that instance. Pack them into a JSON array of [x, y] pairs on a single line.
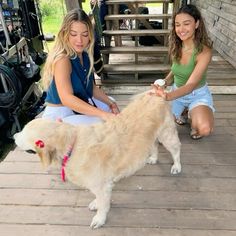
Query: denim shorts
[[199, 96]]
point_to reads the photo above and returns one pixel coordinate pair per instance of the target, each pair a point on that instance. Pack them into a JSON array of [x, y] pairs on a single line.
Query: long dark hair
[[201, 37]]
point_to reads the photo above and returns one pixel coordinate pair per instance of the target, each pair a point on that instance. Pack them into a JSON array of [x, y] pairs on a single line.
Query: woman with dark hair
[[190, 52], [68, 76]]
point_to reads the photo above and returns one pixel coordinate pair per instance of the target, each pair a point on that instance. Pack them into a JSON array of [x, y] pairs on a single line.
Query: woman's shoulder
[[206, 52], [62, 64], [206, 49], [63, 59]]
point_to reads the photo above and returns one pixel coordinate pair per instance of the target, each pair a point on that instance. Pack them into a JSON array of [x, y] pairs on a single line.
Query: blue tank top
[[82, 87]]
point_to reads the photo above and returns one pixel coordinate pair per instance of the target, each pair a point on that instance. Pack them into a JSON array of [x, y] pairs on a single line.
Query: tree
[[71, 4]]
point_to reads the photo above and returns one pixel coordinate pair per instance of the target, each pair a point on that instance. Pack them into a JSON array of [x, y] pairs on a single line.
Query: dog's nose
[[30, 151]]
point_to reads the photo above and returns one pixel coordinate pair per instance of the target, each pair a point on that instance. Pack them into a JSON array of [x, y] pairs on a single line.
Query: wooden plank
[[161, 169], [128, 199], [140, 50], [220, 66], [137, 32], [138, 16], [164, 157], [188, 219], [218, 62], [220, 108], [232, 122], [133, 89], [19, 155], [62, 230], [226, 116], [159, 183], [136, 68], [225, 82], [221, 86], [221, 98]]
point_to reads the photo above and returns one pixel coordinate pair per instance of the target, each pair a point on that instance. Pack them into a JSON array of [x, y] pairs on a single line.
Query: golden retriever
[[105, 152]]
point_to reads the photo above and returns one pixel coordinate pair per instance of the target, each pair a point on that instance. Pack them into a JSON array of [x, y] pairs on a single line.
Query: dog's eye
[[31, 151]]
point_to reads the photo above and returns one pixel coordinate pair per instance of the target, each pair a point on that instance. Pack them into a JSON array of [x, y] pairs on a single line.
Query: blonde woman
[[68, 75]]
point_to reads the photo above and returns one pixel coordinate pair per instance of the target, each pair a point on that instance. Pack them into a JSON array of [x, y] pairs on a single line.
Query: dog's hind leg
[[102, 203], [170, 139], [153, 156]]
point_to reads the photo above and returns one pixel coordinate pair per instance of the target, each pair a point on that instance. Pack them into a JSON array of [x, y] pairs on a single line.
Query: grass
[[51, 24]]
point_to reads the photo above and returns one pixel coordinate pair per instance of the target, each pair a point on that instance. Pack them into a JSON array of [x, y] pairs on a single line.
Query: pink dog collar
[[64, 161]]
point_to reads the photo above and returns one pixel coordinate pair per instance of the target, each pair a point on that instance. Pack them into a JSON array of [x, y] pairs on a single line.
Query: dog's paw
[[152, 160], [93, 205], [175, 169], [98, 221]]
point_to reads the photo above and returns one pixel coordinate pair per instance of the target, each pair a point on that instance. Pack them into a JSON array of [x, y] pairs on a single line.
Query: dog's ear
[[45, 152]]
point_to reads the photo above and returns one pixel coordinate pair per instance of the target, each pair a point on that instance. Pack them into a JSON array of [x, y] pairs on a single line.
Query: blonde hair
[[62, 47]]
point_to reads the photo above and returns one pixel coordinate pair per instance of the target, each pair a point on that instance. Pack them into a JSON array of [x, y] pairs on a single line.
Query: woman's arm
[[62, 72], [169, 79], [100, 95], [202, 62]]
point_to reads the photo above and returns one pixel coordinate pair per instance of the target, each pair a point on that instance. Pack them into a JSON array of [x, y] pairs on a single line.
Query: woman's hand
[[114, 111], [159, 91], [107, 115], [114, 108]]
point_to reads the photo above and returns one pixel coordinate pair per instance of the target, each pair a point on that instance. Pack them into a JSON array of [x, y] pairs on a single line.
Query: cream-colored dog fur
[[106, 152]]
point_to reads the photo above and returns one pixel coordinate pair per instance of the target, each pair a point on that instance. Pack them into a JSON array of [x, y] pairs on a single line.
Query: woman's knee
[[204, 130]]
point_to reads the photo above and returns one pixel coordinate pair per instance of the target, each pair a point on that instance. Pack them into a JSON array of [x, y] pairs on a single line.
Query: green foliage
[[46, 10], [53, 12], [51, 24], [86, 6], [52, 7]]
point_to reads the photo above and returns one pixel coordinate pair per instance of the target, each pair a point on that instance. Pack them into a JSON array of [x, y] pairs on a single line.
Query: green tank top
[[182, 72]]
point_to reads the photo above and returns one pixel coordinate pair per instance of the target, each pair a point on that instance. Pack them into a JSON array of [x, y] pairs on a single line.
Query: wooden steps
[[126, 26]]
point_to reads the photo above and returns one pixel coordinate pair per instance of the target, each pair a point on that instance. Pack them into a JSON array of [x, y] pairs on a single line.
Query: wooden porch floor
[[200, 201]]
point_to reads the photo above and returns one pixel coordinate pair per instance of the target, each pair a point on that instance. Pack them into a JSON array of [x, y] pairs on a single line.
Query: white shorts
[[68, 116]]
